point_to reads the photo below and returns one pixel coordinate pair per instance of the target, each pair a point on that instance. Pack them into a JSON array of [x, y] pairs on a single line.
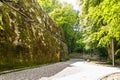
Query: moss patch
[[30, 37]]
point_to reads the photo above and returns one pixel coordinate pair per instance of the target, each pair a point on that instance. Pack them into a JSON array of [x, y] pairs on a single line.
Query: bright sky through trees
[[73, 2]]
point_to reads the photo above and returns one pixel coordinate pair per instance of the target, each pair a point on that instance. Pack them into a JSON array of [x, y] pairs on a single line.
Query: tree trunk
[[113, 61], [110, 51]]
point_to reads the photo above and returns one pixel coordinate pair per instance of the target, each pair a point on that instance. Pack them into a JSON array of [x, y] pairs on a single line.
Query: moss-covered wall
[[29, 36]]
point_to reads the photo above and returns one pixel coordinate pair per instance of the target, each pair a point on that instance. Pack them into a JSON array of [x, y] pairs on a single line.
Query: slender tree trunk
[[109, 51], [113, 52]]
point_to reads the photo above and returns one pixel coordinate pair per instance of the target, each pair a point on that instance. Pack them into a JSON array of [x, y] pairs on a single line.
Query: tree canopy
[[100, 20], [65, 16], [97, 24]]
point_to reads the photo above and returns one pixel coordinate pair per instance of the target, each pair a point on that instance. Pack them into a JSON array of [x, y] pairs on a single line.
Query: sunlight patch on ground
[[83, 71]]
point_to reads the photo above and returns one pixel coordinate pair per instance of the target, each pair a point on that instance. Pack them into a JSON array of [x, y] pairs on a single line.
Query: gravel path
[[74, 69], [115, 76], [83, 71], [36, 73]]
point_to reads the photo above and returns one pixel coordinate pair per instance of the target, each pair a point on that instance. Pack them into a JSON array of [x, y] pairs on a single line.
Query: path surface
[[115, 76], [36, 73], [71, 70], [83, 71]]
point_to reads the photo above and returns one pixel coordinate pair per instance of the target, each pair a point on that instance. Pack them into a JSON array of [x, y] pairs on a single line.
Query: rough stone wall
[[29, 35]]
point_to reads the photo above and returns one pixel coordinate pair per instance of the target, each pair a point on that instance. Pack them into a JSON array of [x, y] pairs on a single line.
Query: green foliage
[[100, 19], [117, 54], [47, 5], [79, 47], [65, 16]]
